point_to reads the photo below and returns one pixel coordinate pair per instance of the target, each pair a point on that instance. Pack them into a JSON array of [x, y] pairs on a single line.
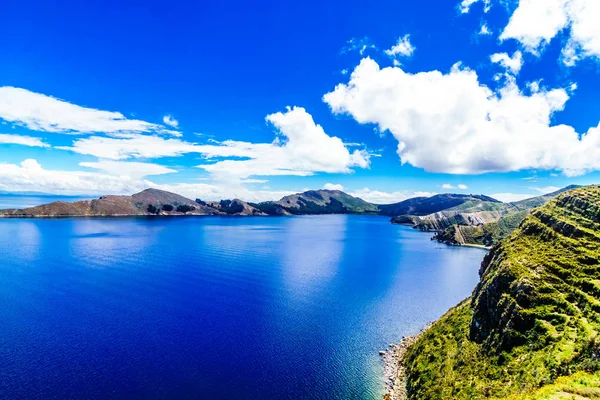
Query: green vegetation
[[534, 316], [433, 204], [579, 386], [482, 223], [184, 208]]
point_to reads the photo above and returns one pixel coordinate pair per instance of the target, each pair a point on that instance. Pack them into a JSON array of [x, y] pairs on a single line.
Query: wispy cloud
[[360, 45], [44, 113], [7, 138]]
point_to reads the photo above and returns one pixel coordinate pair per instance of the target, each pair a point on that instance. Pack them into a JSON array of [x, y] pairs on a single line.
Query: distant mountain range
[[457, 218]]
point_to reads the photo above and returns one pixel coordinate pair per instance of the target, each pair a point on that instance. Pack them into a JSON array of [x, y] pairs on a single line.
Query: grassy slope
[[579, 386], [534, 316]]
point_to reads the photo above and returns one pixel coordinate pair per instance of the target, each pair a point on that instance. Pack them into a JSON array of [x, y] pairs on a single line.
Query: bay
[[215, 307]]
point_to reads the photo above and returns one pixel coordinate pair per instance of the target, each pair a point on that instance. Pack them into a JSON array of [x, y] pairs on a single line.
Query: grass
[[534, 316]]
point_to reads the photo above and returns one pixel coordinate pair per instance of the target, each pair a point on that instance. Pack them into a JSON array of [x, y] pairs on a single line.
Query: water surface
[[215, 307]]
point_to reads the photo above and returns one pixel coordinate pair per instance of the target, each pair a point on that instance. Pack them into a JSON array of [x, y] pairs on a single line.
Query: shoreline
[[394, 372]]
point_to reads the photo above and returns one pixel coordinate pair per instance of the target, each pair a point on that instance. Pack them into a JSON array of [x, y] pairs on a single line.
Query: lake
[[215, 307]]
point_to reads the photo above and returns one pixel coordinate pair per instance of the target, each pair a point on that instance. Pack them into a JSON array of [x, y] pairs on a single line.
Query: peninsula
[[530, 329]]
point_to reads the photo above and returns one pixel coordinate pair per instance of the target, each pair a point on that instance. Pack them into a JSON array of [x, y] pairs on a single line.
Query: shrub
[[184, 208]]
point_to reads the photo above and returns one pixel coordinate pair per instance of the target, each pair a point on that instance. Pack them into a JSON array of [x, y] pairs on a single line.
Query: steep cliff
[[534, 316]]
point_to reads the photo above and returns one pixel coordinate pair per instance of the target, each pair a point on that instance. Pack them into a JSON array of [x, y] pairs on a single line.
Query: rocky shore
[[394, 373]]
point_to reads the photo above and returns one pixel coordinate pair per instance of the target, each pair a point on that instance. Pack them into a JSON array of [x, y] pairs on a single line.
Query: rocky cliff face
[[534, 316]]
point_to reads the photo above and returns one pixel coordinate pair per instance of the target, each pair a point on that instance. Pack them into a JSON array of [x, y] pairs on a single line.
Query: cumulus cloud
[[39, 112], [535, 23], [301, 148], [169, 120], [130, 169], [451, 123], [381, 197], [333, 186], [511, 64], [402, 48], [7, 138]]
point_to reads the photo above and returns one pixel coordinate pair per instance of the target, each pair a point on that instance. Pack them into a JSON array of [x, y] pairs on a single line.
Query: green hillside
[[476, 226], [534, 316]]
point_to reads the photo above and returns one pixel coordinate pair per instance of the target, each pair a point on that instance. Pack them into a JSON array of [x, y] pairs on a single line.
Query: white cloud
[[512, 64], [149, 146], [7, 138], [546, 189], [402, 48], [449, 186], [169, 120], [535, 23], [360, 45], [302, 148], [484, 30], [465, 5], [130, 169], [451, 123], [31, 176], [39, 112], [380, 197], [333, 186], [511, 197]]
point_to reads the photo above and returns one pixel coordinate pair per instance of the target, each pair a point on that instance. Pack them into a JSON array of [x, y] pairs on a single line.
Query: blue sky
[[500, 99]]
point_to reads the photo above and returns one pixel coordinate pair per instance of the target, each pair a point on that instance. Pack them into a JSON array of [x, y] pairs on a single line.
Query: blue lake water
[[215, 307]]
